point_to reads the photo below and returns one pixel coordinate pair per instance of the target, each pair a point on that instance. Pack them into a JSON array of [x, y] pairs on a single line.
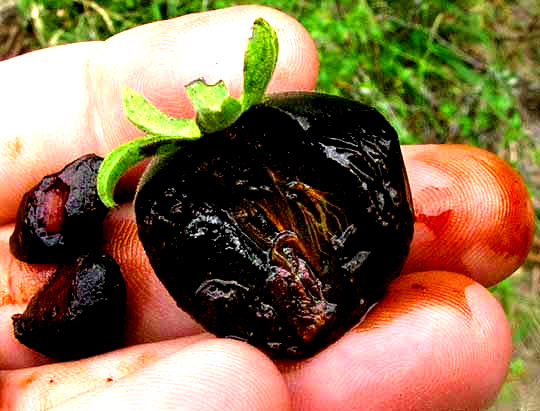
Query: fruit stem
[[214, 107]]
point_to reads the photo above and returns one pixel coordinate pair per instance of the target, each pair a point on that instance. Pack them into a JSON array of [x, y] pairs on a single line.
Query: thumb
[[65, 101]]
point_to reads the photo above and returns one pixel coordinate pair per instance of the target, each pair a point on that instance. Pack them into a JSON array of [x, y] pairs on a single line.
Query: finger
[[209, 374], [63, 102], [473, 212], [437, 341]]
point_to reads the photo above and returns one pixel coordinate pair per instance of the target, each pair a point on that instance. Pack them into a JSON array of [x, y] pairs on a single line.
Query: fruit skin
[[80, 312], [283, 229], [60, 218]]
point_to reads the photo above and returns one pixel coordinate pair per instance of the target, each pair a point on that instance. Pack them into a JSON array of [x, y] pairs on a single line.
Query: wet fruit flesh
[[78, 313], [284, 228], [60, 217]]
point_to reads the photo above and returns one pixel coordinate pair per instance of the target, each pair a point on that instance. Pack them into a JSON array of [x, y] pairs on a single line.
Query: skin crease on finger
[[473, 332], [472, 210]]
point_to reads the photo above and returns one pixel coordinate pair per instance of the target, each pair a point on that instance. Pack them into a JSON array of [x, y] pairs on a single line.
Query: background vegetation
[[464, 71]]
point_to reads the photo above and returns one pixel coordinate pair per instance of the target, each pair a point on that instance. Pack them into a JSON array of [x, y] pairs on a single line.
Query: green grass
[[440, 72], [433, 70], [522, 307]]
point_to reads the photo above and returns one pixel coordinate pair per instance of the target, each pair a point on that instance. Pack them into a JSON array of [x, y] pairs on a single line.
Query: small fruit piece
[[60, 218], [78, 313]]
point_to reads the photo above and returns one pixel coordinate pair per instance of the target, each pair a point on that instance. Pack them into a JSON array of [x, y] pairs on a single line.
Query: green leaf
[[207, 96], [150, 119], [215, 108], [259, 62], [126, 156]]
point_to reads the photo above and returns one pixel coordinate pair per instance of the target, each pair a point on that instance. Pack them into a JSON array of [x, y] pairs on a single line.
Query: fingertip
[[473, 212], [437, 340]]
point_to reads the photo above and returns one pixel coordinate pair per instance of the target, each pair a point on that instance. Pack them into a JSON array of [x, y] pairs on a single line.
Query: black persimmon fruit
[[284, 228], [78, 313], [60, 218]]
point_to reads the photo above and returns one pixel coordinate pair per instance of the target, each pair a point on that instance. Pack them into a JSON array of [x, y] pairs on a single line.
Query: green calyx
[[214, 107]]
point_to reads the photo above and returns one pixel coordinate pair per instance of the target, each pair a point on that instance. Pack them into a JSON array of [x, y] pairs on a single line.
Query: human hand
[[438, 340]]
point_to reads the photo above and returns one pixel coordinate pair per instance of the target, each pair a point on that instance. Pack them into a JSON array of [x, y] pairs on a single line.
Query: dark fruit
[[275, 220], [78, 313], [284, 228], [60, 217]]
